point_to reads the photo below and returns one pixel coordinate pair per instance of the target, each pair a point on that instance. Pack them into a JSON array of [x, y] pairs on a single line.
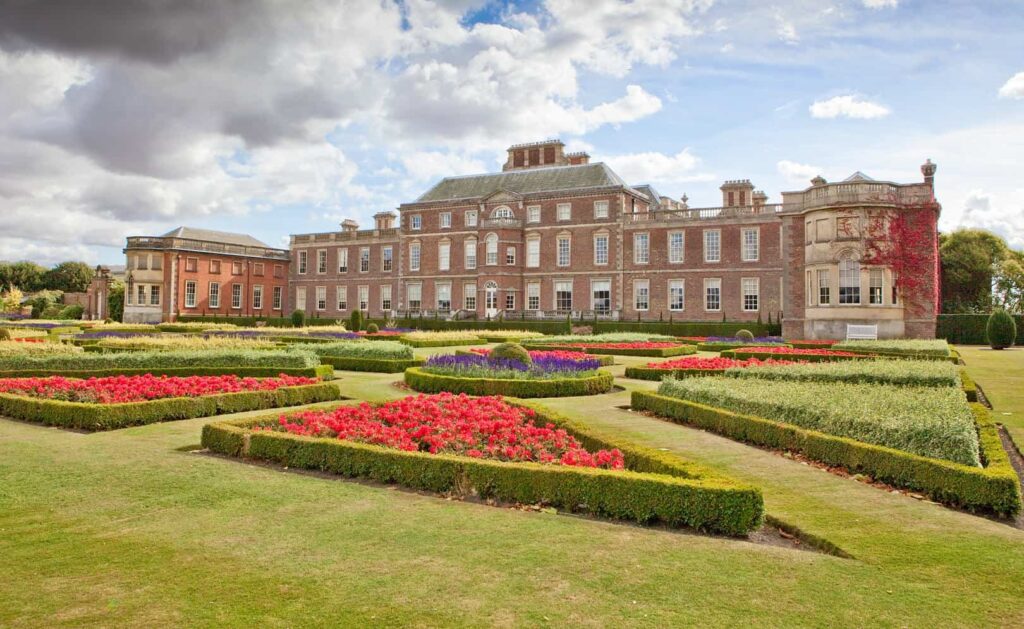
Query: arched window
[[849, 280], [491, 251], [502, 211]]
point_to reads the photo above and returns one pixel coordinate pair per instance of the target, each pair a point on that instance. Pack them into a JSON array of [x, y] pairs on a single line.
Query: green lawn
[[1001, 375], [122, 528]]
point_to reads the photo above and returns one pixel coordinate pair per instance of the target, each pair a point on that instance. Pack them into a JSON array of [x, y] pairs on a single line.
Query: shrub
[[928, 421], [745, 335], [223, 359], [298, 318], [921, 373], [994, 489], [74, 311], [510, 351], [174, 342], [655, 488], [1001, 331], [936, 348], [4, 334], [373, 328], [362, 349], [355, 321], [88, 416], [52, 311], [967, 329], [379, 365], [21, 348], [192, 326], [420, 380]]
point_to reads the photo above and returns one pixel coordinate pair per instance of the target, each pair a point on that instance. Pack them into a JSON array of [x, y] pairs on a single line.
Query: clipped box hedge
[[967, 329], [717, 346], [651, 373], [740, 354], [229, 358], [992, 489], [656, 488], [324, 372], [688, 328], [914, 373], [660, 352], [380, 365], [420, 380], [440, 342], [85, 416]]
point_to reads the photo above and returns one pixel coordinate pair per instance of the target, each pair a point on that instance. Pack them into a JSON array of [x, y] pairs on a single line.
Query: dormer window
[[503, 211]]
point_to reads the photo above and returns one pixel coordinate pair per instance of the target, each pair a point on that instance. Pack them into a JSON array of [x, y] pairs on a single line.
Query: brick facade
[[203, 273]]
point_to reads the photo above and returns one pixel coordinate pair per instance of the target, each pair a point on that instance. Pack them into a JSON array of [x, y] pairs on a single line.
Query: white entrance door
[[491, 299]]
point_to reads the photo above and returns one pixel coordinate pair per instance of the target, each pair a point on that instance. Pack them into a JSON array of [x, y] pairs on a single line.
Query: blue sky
[[273, 122]]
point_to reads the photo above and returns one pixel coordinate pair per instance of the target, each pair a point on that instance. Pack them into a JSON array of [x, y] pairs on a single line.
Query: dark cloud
[[157, 31]]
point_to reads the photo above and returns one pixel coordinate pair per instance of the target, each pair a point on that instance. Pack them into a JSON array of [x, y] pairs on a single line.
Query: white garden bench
[[861, 332]]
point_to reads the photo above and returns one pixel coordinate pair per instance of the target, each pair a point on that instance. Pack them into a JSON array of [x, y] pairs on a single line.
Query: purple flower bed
[[13, 316], [476, 366], [335, 335]]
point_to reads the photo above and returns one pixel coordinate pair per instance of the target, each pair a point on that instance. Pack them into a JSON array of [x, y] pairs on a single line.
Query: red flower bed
[[120, 389], [484, 427], [718, 363], [538, 353], [813, 341], [699, 339], [35, 339], [798, 351]]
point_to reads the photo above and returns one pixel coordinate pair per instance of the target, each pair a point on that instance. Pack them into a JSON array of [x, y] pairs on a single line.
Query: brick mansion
[[554, 234]]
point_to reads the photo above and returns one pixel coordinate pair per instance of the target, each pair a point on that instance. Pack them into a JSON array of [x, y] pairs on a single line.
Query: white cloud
[[999, 214], [1013, 88], [881, 4], [658, 168], [848, 106], [431, 165], [797, 172], [786, 30]]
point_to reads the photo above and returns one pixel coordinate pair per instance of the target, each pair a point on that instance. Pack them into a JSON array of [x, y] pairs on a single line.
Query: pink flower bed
[[121, 389], [714, 364], [484, 427], [537, 353]]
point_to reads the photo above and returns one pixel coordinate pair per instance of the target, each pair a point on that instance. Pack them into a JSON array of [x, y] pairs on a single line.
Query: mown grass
[[121, 528]]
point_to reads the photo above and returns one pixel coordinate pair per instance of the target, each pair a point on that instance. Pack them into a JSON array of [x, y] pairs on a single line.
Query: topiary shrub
[[355, 321], [298, 318], [511, 351], [5, 335], [745, 335], [1001, 330], [372, 328], [72, 312], [50, 312]]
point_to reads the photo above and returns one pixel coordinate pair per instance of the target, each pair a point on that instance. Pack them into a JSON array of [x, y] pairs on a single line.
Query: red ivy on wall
[[905, 239]]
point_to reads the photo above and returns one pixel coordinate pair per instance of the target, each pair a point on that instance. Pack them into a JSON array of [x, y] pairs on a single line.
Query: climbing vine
[[905, 239]]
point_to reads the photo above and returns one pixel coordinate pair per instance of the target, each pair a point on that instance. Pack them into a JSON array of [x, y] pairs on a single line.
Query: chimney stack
[[928, 170], [349, 225], [384, 220]]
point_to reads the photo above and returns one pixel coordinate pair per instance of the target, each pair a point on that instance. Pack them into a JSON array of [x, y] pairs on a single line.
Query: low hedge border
[[651, 373], [721, 347], [324, 372], [606, 360], [440, 342], [993, 489], [810, 358], [656, 488], [497, 338], [809, 345], [380, 365], [94, 417], [420, 380], [954, 357], [661, 352]]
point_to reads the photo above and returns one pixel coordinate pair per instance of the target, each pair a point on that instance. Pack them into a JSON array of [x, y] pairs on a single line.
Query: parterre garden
[[845, 449]]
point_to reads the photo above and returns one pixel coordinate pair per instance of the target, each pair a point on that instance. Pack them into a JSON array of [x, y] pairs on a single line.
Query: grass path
[[121, 528]]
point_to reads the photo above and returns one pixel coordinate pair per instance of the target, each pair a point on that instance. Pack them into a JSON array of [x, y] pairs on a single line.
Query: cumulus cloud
[[1013, 88], [848, 106], [1002, 215], [796, 172], [125, 118], [881, 4], [658, 168]]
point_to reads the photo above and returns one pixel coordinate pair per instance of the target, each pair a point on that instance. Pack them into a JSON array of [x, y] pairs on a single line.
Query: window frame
[[644, 249], [682, 283], [213, 296], [598, 261], [563, 212], [645, 285], [756, 231], [567, 239], [756, 294], [682, 246], [718, 246], [195, 298], [709, 283]]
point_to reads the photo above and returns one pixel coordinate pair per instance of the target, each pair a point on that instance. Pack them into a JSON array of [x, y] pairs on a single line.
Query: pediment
[[502, 195]]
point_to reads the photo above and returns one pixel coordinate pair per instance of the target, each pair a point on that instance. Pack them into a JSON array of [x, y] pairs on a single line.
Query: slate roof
[[210, 235], [649, 191], [526, 181]]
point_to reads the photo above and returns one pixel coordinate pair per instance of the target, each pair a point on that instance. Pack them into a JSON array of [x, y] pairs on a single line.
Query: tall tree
[[969, 258], [70, 277], [1009, 282], [28, 276]]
